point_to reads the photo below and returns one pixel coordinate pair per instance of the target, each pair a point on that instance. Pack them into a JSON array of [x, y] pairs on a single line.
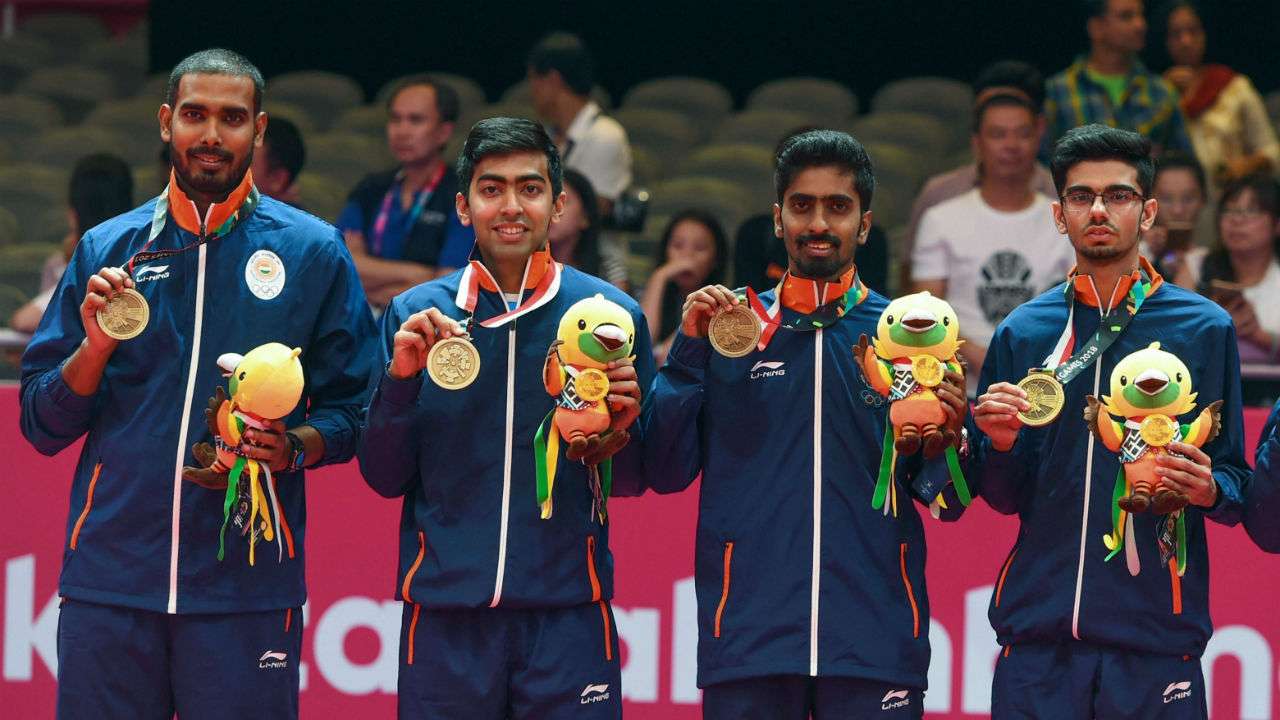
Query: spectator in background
[[1112, 87], [277, 163], [996, 246], [101, 187], [1171, 244], [760, 257], [401, 225], [575, 238], [1226, 118], [1000, 77], [561, 75], [1242, 271], [694, 252]]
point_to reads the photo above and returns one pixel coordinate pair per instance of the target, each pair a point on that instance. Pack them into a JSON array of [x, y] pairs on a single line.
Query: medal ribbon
[[1066, 365], [420, 200], [160, 215], [824, 316], [469, 291]]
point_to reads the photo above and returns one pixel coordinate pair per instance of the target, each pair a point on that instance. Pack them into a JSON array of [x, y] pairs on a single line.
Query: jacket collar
[[1086, 293], [804, 295], [184, 211]]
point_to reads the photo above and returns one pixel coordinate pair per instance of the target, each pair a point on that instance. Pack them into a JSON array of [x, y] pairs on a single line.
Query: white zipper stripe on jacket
[[178, 462], [1088, 473], [815, 571], [506, 465]]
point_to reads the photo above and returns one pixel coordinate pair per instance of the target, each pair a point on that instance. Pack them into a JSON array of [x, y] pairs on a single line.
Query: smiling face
[[821, 222], [212, 132], [1148, 382], [511, 205]]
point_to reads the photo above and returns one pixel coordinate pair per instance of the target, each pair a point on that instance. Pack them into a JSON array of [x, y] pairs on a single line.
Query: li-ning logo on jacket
[[594, 693], [768, 368], [1177, 691], [895, 699], [151, 272], [273, 659]]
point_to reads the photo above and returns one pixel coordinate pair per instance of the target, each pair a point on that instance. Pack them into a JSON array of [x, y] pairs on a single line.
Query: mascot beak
[[919, 321], [1152, 381], [227, 363], [610, 336]]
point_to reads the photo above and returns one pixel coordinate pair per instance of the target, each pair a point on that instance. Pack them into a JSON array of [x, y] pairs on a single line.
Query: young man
[[1111, 86], [400, 224], [994, 247], [810, 600], [1088, 632], [506, 614], [152, 623], [561, 75]]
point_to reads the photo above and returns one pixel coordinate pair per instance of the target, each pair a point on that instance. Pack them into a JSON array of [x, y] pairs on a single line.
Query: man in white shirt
[[561, 76], [996, 246]]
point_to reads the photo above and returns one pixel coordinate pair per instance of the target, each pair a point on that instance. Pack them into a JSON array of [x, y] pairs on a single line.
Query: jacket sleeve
[[52, 415], [1001, 478], [388, 446], [628, 463], [340, 358], [671, 417], [1262, 509], [1227, 450]]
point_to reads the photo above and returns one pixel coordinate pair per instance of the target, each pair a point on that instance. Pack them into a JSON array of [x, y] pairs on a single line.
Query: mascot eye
[[1177, 377], [1124, 380], [582, 324], [946, 321], [888, 320]]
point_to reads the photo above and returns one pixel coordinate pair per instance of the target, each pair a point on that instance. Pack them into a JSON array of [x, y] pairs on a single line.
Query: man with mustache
[[506, 612], [1090, 630], [810, 601], [152, 622]]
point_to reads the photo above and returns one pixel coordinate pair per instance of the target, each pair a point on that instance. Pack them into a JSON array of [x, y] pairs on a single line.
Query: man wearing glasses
[[1087, 632]]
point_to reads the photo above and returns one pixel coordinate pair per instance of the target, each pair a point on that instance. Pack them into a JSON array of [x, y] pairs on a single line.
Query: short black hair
[[719, 268], [447, 104], [216, 61], [1001, 99], [284, 146], [1014, 74], [825, 148], [566, 54], [504, 136], [1099, 142], [1095, 8], [1177, 160], [101, 188]]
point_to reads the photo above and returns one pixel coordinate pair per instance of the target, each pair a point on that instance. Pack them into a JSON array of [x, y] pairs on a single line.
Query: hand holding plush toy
[[265, 385], [1149, 390], [593, 332], [915, 346]]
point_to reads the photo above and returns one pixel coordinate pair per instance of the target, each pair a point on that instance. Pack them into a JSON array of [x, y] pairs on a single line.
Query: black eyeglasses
[[1116, 198]]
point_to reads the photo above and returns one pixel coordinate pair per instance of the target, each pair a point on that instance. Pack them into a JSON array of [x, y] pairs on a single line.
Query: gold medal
[[734, 332], [926, 370], [453, 363], [1045, 395], [592, 384], [1158, 430], [124, 316]]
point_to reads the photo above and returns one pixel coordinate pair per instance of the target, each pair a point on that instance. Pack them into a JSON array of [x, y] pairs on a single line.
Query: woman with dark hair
[[694, 252], [1226, 118], [575, 238], [1242, 271]]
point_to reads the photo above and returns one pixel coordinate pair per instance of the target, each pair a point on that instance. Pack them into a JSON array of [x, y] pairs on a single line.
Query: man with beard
[[506, 608], [994, 247], [152, 623], [810, 600], [1092, 628]]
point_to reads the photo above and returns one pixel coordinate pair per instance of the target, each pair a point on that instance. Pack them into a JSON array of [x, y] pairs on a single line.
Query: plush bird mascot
[[1150, 388], [593, 332], [265, 384], [915, 344]]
